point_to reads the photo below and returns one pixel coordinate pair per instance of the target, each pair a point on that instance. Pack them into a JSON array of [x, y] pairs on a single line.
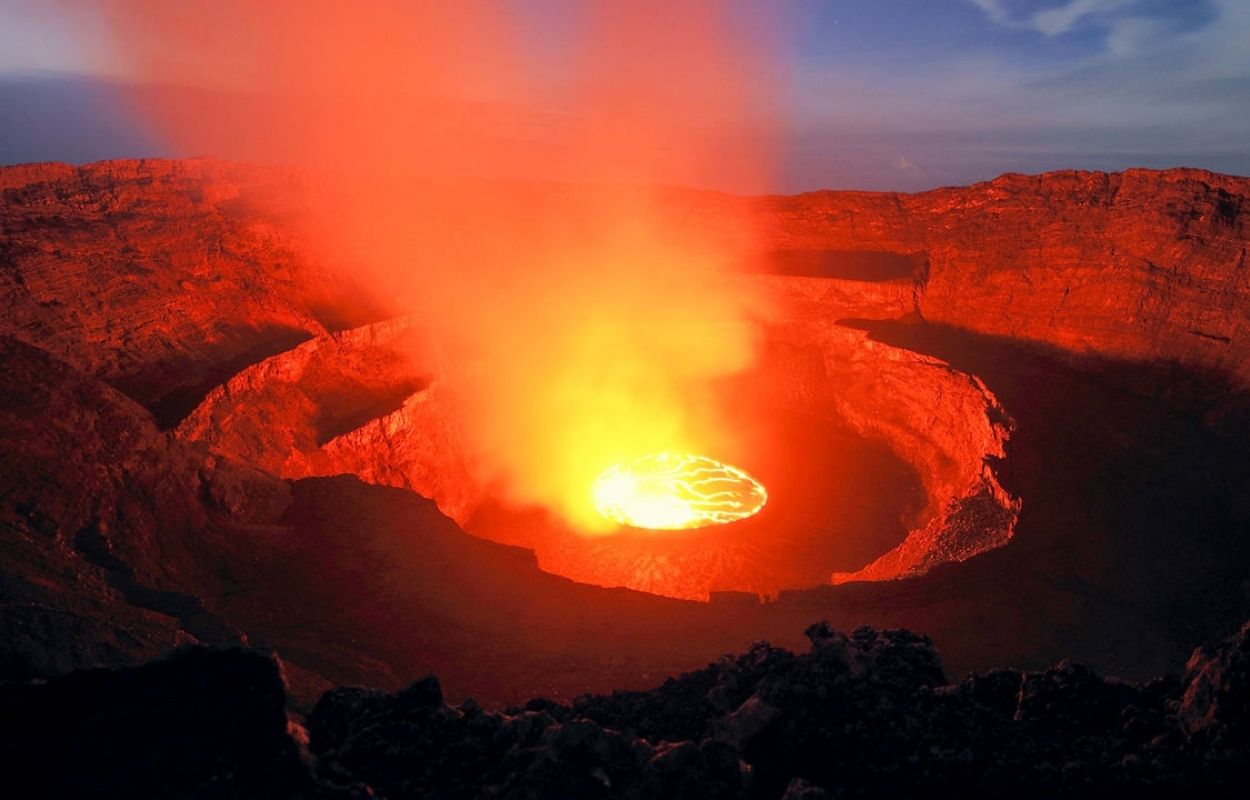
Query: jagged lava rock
[[859, 715]]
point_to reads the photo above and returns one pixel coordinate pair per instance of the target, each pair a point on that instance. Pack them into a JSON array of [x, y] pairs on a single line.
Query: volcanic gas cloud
[[587, 326]]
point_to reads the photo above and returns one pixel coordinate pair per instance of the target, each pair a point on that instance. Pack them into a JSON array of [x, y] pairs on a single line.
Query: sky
[[883, 95]]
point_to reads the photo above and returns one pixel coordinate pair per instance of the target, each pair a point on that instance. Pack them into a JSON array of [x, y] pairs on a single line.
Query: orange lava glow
[[513, 197], [670, 491]]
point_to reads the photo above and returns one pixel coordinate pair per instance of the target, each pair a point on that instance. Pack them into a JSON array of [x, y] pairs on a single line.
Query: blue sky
[[888, 94]]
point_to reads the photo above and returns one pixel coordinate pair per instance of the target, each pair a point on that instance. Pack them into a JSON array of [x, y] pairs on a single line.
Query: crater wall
[[167, 278]]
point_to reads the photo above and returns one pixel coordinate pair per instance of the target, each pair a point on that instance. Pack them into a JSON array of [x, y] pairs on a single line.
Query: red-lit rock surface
[[164, 279], [1141, 264], [121, 542], [103, 523], [369, 401], [1144, 265], [941, 421], [161, 277]]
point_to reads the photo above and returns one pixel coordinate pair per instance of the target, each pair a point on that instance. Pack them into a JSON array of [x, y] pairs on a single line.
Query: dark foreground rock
[[201, 723], [869, 714]]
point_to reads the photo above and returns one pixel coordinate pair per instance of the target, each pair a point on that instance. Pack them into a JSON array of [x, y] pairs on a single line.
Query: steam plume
[[593, 312]]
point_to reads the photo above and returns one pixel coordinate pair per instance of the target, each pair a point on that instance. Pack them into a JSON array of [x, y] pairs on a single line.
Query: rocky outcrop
[[371, 401], [857, 715], [162, 277], [98, 516], [1215, 707], [156, 265], [167, 277], [120, 542], [1143, 265], [942, 422]]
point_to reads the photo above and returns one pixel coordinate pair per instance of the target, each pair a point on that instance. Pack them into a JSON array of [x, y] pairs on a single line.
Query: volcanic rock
[[96, 507], [371, 401], [233, 285], [1216, 704], [1142, 265], [859, 715], [943, 422], [1060, 359], [160, 276], [201, 723]]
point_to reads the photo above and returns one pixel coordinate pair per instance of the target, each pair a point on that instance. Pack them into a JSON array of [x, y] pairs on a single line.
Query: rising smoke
[[498, 169]]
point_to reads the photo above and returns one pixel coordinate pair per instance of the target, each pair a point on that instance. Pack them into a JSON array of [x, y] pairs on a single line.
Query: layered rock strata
[[371, 401]]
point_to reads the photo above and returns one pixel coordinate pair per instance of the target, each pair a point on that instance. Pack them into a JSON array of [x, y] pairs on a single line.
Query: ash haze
[[897, 94]]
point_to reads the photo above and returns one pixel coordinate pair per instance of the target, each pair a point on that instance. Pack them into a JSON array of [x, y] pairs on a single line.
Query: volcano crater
[[878, 459]]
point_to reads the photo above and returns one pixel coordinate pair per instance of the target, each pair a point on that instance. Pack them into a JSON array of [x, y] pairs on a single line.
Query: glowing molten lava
[[669, 491]]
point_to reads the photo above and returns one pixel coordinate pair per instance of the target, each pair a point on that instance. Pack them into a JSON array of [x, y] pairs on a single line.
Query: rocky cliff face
[[105, 523], [161, 277], [940, 420], [1140, 265], [371, 401], [120, 542]]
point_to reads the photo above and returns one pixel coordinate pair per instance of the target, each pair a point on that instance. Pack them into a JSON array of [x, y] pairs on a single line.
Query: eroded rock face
[[1140, 265], [943, 422], [161, 277], [371, 401], [96, 509], [1216, 705]]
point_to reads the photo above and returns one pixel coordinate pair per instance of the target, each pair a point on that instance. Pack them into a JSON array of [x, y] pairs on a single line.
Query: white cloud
[[1165, 89], [1132, 35], [994, 10], [906, 167], [1061, 19], [1052, 21]]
